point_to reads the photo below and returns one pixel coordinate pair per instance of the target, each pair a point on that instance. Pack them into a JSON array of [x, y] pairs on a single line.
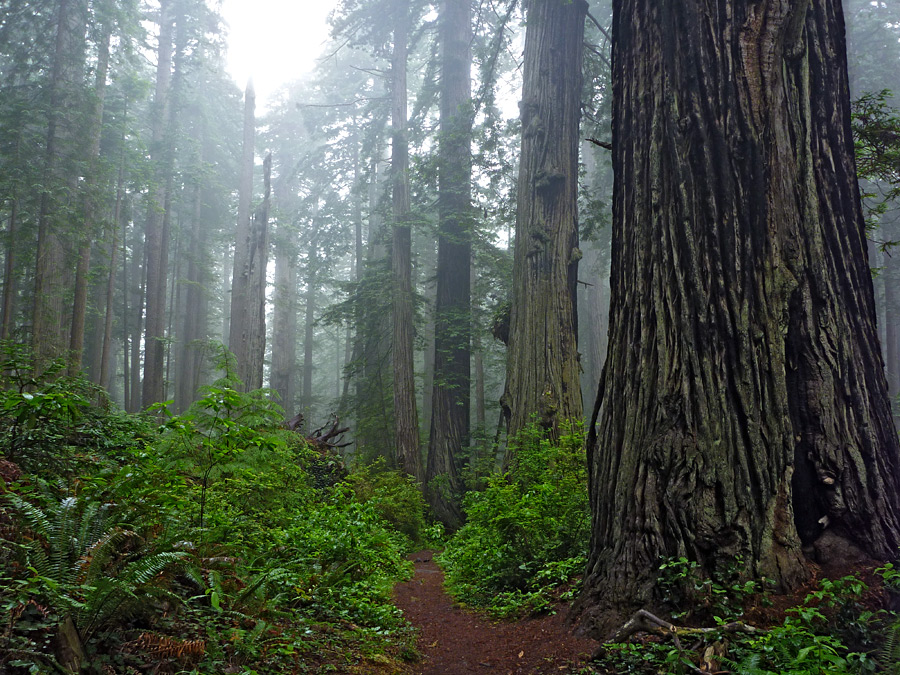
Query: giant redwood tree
[[543, 375], [743, 412]]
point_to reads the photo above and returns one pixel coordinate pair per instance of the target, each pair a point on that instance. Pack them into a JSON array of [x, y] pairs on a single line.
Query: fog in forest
[[401, 230]]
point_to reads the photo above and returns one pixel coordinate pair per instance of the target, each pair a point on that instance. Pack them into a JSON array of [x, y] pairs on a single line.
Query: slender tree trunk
[[10, 264], [543, 376], [452, 348], [89, 226], [284, 312], [743, 409], [194, 327], [257, 262], [309, 326], [156, 232], [104, 377], [406, 418], [239, 337]]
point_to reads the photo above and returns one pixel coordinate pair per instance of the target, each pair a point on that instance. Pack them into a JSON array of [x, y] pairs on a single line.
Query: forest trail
[[456, 642]]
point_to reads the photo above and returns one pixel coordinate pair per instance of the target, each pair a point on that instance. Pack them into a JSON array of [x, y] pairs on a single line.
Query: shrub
[[527, 533]]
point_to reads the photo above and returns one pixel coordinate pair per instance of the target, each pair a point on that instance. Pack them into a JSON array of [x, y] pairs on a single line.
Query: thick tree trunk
[[406, 417], [239, 335], [543, 376], [452, 349], [743, 406]]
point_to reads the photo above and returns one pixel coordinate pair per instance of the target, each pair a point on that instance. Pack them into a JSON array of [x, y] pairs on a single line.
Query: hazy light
[[274, 41]]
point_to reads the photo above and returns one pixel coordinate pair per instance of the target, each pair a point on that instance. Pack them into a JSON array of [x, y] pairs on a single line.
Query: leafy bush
[[199, 545], [394, 495], [527, 533]]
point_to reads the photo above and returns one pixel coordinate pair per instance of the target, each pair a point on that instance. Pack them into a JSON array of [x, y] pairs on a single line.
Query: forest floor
[[454, 641]]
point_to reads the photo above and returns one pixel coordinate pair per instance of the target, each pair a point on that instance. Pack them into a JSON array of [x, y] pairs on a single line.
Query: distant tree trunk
[[139, 263], [104, 378], [284, 311], [312, 269], [9, 267], [406, 418], [257, 262], [743, 408], [158, 212], [52, 270], [543, 376], [89, 226], [195, 304], [239, 335], [452, 348]]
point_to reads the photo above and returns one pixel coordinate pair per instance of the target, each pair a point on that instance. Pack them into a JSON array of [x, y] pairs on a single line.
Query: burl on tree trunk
[[743, 411]]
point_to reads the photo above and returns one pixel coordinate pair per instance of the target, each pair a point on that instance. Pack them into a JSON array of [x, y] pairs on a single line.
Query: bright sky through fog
[[274, 41]]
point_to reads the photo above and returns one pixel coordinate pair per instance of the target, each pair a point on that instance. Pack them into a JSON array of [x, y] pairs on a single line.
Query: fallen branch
[[643, 621]]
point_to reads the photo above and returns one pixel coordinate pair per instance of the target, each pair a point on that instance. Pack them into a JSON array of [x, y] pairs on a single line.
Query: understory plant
[[526, 534], [199, 545], [834, 631]]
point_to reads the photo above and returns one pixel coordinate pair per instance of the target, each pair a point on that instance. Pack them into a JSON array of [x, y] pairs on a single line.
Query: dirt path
[[456, 642]]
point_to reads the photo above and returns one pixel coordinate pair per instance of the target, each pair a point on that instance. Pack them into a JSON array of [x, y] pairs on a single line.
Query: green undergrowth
[[523, 545], [837, 629], [195, 544]]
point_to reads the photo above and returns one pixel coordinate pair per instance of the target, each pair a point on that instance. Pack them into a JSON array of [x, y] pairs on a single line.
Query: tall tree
[[257, 263], [158, 212], [90, 206], [239, 337], [452, 349], [406, 418], [543, 372], [743, 409], [53, 269]]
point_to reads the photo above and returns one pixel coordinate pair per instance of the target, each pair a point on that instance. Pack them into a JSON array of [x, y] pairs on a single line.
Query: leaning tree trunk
[[543, 376], [452, 311], [743, 406], [406, 417]]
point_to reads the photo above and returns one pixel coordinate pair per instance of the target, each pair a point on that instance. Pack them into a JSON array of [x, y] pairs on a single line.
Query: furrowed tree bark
[[543, 376], [452, 349], [743, 406], [406, 417]]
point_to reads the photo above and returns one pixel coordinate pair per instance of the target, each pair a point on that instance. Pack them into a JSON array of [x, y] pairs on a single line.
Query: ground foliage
[[526, 533], [191, 543], [839, 627]]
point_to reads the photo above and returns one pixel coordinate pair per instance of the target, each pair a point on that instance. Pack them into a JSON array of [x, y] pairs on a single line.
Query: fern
[[889, 654], [74, 550]]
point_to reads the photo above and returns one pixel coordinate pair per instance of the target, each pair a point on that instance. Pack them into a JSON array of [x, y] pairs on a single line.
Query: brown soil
[[454, 641]]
